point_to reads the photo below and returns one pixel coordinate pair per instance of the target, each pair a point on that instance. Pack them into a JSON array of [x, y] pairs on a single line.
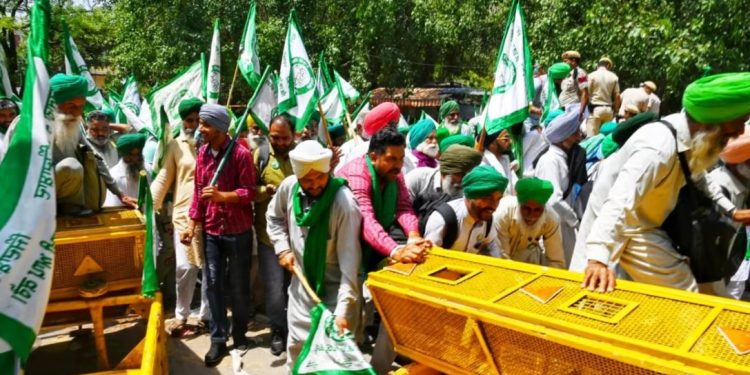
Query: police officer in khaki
[[574, 88], [604, 87]]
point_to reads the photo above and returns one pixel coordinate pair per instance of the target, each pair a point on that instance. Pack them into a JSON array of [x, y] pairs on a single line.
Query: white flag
[[298, 95], [327, 352], [513, 89], [131, 97], [334, 105], [74, 64], [213, 81], [27, 210], [349, 92], [187, 84], [263, 103]]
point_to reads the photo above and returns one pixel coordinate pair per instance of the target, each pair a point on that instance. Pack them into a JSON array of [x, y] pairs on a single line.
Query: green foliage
[[411, 42]]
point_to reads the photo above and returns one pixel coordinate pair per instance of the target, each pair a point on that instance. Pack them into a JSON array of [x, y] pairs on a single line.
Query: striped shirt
[[238, 175]]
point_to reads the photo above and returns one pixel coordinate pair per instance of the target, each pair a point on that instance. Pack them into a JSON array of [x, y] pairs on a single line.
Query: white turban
[[562, 126], [310, 156]]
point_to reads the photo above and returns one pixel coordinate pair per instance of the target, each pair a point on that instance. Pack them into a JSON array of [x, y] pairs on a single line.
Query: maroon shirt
[[238, 175]]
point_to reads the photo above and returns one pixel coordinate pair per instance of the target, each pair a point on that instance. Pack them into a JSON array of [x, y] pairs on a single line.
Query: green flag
[[131, 98], [349, 92], [186, 84], [513, 89], [324, 75], [334, 104], [326, 352], [297, 95], [213, 80], [74, 64], [149, 279], [365, 103], [249, 62], [263, 103], [27, 210]]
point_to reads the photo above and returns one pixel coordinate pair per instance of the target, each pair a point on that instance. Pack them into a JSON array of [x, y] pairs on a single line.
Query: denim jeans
[[232, 253], [275, 285]]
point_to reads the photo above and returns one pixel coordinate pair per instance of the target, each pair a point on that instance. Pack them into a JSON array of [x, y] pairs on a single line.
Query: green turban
[[533, 189], [336, 131], [447, 108], [482, 181], [628, 127], [188, 106], [459, 159], [129, 142], [552, 115], [442, 133], [110, 113], [608, 128], [558, 71], [458, 139], [419, 132], [609, 146], [65, 87], [404, 130], [718, 98]]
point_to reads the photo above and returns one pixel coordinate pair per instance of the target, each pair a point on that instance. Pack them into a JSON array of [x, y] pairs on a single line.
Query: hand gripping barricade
[[468, 314]]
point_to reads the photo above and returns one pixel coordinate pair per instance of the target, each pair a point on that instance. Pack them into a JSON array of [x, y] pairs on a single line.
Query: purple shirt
[[238, 175]]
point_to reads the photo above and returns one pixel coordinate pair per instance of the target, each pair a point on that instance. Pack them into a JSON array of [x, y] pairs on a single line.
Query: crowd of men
[[584, 184]]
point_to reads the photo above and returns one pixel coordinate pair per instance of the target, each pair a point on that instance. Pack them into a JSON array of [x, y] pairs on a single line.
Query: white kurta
[[126, 184], [343, 258], [533, 145], [502, 165], [553, 166], [637, 188], [738, 194], [521, 242], [352, 149], [471, 234], [108, 152], [422, 181]]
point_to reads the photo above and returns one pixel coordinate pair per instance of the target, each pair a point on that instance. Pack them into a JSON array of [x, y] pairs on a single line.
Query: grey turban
[[216, 116]]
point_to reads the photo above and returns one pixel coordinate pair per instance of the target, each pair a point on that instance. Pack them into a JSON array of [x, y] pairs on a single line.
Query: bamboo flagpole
[[324, 126], [231, 87]]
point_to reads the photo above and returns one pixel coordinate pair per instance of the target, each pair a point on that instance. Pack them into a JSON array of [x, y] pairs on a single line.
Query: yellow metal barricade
[[468, 314]]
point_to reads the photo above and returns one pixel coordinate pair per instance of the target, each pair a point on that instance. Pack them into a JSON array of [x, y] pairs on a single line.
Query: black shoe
[[242, 346], [278, 342], [215, 354]]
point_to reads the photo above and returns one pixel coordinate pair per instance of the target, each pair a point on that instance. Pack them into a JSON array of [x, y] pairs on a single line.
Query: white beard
[[452, 127], [430, 150], [67, 134], [705, 150], [454, 190], [255, 141]]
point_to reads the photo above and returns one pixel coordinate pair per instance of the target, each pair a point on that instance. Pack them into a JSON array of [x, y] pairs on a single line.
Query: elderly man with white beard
[[425, 184], [78, 192], [99, 136], [638, 187], [126, 172]]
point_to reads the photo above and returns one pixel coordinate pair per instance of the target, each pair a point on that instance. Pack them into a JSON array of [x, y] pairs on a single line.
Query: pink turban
[[380, 116], [737, 150]]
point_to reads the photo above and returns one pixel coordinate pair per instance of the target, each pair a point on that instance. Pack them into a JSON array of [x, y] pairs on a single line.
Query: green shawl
[[383, 203], [317, 218]]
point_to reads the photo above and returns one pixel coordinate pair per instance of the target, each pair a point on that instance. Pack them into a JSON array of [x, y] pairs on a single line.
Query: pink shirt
[[357, 174]]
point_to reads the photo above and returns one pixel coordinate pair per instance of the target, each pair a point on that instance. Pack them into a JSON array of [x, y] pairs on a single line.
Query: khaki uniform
[[604, 87], [635, 96], [570, 89]]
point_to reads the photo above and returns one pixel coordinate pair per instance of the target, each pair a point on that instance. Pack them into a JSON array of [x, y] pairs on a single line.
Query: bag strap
[[488, 228], [451, 224], [683, 162]]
